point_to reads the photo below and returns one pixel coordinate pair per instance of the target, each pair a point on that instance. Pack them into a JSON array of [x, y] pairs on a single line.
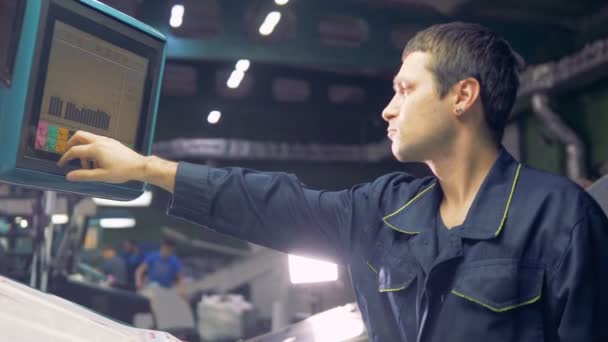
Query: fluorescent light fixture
[[177, 11], [60, 219], [176, 21], [235, 79], [242, 65], [177, 16], [272, 19], [281, 2], [304, 270], [142, 201], [214, 117], [337, 324], [117, 223]]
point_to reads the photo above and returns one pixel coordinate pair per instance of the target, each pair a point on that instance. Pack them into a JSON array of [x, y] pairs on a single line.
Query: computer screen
[[80, 65], [102, 93], [92, 76]]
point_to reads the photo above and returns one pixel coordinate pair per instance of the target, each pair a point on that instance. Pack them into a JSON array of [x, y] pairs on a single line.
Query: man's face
[[127, 247], [166, 250], [108, 253], [419, 123]]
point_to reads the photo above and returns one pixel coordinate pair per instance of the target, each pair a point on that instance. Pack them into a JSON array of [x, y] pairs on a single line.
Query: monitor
[[82, 66]]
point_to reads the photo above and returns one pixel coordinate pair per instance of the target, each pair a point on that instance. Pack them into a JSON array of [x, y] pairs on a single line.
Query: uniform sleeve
[[580, 282], [277, 211]]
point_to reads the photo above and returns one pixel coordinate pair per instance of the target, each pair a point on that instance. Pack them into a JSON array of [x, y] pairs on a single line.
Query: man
[[486, 250], [133, 258], [163, 268], [114, 267]]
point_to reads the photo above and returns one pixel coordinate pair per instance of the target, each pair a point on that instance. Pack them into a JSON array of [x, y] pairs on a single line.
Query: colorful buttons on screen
[[63, 134], [52, 138], [51, 143], [40, 142], [42, 128], [41, 133], [61, 145], [53, 131]]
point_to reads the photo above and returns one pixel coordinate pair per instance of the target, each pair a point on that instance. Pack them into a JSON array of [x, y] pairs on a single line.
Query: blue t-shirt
[[162, 271]]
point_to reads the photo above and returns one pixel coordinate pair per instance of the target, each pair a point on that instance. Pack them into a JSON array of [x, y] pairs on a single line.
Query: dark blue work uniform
[[529, 263]]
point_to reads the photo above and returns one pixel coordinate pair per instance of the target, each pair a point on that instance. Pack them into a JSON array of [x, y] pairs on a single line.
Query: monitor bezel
[[92, 21], [15, 10]]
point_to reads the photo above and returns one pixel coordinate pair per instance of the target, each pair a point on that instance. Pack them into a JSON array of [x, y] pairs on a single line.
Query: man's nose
[[391, 110]]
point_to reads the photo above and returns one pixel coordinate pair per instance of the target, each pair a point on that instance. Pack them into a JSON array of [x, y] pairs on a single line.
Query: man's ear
[[466, 92]]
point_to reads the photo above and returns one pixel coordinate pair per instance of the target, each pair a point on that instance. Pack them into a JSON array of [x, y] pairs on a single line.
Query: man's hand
[[114, 162]]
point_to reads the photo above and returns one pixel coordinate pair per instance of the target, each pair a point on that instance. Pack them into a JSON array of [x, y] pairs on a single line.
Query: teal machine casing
[[17, 102]]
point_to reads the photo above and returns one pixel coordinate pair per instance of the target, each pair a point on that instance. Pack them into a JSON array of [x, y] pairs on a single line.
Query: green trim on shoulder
[[504, 215], [511, 307], [405, 206]]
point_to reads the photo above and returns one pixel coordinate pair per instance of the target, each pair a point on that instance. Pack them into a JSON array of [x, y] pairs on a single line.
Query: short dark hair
[[168, 243], [459, 50]]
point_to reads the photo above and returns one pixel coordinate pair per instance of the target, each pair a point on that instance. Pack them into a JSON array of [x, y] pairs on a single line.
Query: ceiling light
[[177, 16], [242, 65], [272, 19], [117, 223], [214, 117], [23, 223], [176, 22], [281, 2], [60, 219], [235, 79]]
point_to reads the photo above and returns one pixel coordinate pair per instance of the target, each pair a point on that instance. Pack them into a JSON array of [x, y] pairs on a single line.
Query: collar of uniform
[[487, 215]]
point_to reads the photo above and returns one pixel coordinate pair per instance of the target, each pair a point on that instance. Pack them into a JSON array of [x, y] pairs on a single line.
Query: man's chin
[[400, 156], [405, 156]]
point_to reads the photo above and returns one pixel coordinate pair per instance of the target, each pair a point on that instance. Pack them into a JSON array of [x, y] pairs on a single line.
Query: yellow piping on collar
[[504, 215], [405, 206]]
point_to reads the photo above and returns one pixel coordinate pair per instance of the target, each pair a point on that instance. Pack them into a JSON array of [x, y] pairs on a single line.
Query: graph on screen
[[79, 115], [92, 85]]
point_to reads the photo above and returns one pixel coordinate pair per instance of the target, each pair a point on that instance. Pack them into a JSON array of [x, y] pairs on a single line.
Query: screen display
[[92, 85]]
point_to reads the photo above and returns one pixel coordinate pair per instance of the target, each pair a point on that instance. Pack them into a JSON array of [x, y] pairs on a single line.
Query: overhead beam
[[232, 42]]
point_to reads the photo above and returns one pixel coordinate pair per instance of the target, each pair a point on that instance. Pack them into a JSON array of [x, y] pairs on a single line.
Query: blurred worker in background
[[114, 267], [161, 268]]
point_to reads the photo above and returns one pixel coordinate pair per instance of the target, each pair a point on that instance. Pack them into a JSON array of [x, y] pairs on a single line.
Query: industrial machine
[[77, 65]]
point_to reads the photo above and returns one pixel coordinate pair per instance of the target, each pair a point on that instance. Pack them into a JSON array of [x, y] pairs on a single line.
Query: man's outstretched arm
[[272, 209]]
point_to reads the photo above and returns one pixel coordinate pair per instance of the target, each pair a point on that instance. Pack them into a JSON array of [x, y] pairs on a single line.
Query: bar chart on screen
[[106, 103]]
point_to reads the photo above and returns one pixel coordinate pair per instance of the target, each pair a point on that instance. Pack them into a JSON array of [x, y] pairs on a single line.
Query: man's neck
[[461, 171]]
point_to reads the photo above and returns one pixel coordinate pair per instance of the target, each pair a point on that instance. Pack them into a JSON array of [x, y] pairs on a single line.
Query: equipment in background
[[224, 317], [342, 323], [67, 253], [82, 66]]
